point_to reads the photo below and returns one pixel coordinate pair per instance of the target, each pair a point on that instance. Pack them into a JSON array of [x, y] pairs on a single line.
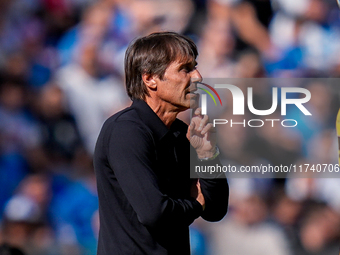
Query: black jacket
[[143, 179]]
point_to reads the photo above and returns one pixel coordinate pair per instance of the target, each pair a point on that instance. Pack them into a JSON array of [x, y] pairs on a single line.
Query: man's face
[[179, 84]]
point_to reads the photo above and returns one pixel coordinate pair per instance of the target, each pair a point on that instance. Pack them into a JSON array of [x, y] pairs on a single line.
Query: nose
[[196, 76]]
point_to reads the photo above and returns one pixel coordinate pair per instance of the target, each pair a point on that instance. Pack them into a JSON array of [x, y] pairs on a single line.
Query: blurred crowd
[[61, 76]]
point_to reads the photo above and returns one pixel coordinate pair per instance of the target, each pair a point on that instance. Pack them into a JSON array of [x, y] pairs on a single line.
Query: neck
[[166, 113]]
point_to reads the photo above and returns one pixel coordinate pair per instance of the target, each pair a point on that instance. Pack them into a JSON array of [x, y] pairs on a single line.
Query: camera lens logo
[[204, 97]]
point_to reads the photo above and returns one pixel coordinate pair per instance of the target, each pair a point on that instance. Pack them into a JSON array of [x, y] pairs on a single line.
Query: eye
[[188, 69]]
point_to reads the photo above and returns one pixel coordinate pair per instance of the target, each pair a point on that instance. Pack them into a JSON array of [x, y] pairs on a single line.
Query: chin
[[193, 103]]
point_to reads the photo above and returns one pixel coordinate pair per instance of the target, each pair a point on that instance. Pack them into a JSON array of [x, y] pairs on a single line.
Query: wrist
[[209, 155]]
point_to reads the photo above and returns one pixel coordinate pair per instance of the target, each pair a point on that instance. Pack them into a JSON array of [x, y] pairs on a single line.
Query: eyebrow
[[191, 63]]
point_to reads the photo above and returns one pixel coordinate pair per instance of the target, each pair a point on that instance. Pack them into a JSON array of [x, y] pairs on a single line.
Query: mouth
[[192, 93], [192, 88]]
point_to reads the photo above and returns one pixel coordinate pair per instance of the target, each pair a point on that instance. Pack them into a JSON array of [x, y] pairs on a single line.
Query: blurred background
[[61, 76]]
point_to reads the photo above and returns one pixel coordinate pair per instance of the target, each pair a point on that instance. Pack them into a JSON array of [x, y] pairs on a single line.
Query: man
[[146, 197]]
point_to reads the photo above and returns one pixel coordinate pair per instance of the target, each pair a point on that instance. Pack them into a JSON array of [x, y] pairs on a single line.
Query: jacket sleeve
[[216, 195], [215, 190], [131, 155]]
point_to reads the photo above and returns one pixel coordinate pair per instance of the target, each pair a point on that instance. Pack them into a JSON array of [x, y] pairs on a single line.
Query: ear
[[150, 80]]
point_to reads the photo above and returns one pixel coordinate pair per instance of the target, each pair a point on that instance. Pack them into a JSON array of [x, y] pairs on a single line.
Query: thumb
[[191, 128]]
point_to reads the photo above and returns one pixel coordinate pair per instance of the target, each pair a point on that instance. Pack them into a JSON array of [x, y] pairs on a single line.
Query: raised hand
[[202, 135]]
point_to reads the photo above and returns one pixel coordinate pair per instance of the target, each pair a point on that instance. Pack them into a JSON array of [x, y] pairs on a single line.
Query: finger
[[191, 129], [203, 122], [188, 132], [193, 126], [198, 185], [197, 111], [208, 128]]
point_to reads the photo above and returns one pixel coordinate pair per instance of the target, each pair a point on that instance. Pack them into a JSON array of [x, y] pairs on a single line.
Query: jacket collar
[[150, 118], [154, 123]]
